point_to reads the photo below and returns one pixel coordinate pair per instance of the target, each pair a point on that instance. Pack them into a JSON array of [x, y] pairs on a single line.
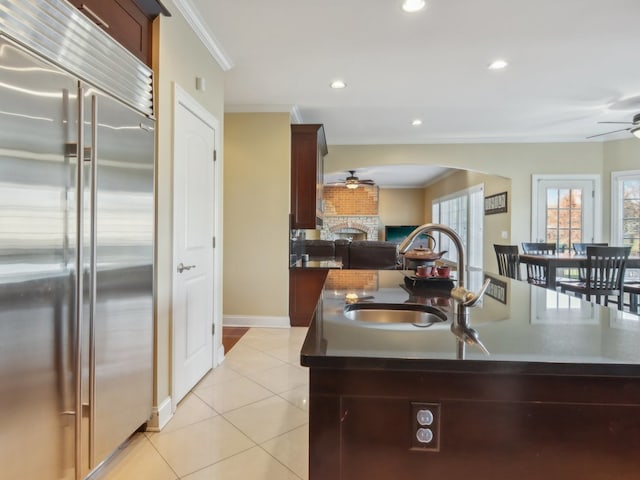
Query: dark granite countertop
[[526, 329]]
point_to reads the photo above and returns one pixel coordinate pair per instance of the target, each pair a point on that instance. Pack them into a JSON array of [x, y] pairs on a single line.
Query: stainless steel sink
[[386, 313]]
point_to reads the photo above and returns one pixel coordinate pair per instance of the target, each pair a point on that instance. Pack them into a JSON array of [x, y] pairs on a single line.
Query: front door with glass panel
[[564, 211], [625, 207]]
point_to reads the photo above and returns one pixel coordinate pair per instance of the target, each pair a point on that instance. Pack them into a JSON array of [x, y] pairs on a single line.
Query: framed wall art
[[495, 203]]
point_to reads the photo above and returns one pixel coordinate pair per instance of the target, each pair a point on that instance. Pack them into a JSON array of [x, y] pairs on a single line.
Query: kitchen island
[[557, 397]]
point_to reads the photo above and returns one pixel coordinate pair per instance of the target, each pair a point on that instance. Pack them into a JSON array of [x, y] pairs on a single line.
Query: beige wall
[[622, 155], [400, 206], [173, 39], [256, 225]]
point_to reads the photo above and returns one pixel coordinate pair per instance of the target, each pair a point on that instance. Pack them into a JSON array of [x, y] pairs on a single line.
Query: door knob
[[182, 267]]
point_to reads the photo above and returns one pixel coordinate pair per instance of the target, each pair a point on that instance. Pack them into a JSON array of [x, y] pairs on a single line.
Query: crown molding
[[296, 116], [293, 110], [192, 16]]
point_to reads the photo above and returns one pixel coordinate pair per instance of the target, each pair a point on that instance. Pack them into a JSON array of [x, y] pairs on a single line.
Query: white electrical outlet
[[425, 426]]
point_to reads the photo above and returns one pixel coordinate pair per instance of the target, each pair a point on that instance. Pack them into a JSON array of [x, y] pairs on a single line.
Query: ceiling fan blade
[[621, 123], [367, 182], [607, 133]]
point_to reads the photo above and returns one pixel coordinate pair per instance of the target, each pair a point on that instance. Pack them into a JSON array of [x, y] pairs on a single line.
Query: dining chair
[[604, 275], [539, 248], [581, 248], [508, 260], [537, 274], [633, 289]]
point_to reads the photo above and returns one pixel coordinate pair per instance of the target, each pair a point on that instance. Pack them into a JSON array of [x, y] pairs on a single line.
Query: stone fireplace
[[350, 213]]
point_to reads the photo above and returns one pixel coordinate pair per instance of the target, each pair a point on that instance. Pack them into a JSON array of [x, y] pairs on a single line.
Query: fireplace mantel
[[354, 227]]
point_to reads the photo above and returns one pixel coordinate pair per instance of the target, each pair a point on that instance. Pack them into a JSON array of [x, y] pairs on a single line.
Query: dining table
[[564, 260]]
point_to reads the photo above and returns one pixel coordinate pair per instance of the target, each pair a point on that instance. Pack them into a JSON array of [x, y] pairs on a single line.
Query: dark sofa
[[364, 254]]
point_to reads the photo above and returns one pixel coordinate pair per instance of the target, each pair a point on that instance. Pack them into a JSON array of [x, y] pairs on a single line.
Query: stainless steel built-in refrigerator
[[76, 243]]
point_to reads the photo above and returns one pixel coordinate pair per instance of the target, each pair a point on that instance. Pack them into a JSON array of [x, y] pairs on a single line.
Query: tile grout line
[[277, 460], [162, 457], [255, 444]]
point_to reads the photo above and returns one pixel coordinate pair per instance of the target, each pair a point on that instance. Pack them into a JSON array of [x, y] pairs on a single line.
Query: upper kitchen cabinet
[[308, 149], [126, 21]]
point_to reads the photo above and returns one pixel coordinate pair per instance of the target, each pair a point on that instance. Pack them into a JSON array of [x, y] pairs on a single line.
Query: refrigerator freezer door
[[37, 267], [122, 146]]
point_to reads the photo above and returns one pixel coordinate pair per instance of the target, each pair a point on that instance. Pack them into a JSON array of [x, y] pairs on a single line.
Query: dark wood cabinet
[[308, 149], [305, 286], [126, 21], [363, 425]]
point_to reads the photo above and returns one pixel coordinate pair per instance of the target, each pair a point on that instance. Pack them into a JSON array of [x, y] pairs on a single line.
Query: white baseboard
[[160, 416], [219, 356], [255, 321]]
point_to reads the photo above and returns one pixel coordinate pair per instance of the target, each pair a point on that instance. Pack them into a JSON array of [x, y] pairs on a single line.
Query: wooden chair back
[[604, 275], [538, 248], [605, 269], [508, 260], [537, 274], [581, 248]]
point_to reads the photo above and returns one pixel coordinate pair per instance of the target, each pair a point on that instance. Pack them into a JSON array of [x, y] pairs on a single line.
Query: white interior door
[[565, 209], [193, 232]]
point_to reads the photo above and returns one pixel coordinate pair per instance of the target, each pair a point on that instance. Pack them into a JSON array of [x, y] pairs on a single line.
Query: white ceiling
[[572, 64]]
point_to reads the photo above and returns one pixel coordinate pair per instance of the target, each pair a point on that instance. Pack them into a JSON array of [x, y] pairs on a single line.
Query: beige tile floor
[[247, 419]]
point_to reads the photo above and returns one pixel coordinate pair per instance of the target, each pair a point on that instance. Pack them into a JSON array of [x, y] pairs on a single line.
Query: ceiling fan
[[352, 181], [634, 128]]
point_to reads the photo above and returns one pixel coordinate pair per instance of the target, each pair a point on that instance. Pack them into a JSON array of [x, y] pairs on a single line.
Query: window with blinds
[[463, 211]]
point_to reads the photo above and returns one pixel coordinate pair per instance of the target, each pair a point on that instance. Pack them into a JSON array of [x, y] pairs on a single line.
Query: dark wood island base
[[363, 425]]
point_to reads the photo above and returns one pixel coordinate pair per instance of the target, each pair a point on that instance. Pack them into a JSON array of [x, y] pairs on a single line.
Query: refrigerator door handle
[[79, 284], [93, 277]]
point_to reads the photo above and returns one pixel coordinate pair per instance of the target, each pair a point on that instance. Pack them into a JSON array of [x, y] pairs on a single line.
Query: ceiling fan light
[[352, 184], [635, 131]]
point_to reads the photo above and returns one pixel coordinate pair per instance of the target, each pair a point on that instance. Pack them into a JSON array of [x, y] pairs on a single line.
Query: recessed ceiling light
[[498, 65], [338, 84], [416, 122], [412, 6]]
